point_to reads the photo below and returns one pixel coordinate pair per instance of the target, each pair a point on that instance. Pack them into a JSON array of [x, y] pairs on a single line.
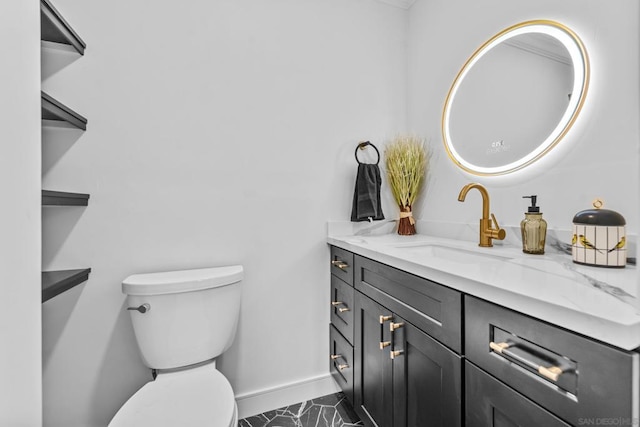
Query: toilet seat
[[192, 397]]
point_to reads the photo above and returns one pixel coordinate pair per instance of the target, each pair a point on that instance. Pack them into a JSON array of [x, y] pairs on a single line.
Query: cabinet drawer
[[431, 307], [341, 362], [342, 307], [342, 264], [490, 403], [576, 378]]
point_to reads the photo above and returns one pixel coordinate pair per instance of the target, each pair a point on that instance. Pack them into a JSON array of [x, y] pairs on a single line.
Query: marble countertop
[[600, 303]]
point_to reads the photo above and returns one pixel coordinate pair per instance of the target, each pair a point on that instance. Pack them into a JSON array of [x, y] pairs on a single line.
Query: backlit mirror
[[515, 98]]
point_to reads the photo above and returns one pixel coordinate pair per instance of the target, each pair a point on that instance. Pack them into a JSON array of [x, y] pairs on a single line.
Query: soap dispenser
[[534, 229]]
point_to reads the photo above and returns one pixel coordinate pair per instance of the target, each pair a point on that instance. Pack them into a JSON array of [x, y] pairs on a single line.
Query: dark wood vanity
[[409, 352]]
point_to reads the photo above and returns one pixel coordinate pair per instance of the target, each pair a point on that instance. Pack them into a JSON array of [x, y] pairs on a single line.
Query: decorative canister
[[599, 237]]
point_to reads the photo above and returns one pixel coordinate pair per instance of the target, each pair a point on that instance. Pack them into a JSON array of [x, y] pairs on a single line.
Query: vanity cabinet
[[409, 352], [403, 335]]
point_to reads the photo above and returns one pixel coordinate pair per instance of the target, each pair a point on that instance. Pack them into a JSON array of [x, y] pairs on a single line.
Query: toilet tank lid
[[172, 282]]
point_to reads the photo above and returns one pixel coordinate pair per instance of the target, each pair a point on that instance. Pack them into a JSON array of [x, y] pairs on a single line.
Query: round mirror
[[515, 98]]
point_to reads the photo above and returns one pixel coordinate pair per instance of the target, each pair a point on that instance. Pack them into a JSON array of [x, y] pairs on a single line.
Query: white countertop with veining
[[600, 303]]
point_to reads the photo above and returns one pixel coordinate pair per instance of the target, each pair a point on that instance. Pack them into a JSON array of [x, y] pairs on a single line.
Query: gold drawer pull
[[340, 264], [498, 347], [342, 309], [552, 372], [335, 356], [343, 367], [395, 353], [384, 344], [394, 326], [385, 319]]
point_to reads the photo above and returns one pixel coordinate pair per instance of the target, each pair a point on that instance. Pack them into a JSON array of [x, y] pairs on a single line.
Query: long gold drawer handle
[[343, 367], [553, 372], [335, 356], [343, 309], [340, 264], [384, 344], [334, 303]]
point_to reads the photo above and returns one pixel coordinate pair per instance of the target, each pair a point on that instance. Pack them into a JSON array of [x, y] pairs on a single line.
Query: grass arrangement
[[407, 159]]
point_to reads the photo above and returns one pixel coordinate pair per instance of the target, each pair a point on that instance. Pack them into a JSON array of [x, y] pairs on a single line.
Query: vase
[[406, 225]]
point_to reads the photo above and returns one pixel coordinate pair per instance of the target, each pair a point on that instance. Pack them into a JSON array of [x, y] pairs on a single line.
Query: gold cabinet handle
[[552, 372], [394, 326], [384, 319], [384, 344], [498, 347], [395, 353], [342, 309], [343, 367], [340, 264], [335, 356]]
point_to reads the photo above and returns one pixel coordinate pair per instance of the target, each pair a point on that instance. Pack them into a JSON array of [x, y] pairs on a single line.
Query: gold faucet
[[487, 232]]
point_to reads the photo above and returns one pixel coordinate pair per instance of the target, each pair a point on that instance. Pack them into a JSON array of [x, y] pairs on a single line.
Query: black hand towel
[[366, 197]]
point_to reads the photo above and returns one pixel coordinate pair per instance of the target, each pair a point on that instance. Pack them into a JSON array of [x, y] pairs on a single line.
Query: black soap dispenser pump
[[533, 228]]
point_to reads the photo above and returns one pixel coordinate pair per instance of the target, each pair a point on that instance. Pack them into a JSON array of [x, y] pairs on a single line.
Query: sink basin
[[453, 254]]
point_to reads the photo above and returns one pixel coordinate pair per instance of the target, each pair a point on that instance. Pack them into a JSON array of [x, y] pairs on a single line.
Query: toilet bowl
[[182, 321], [192, 397]]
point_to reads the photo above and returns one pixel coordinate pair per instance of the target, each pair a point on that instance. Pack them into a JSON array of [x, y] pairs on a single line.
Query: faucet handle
[[497, 232]]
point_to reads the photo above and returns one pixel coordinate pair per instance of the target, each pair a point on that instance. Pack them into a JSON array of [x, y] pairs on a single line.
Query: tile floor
[[332, 410]]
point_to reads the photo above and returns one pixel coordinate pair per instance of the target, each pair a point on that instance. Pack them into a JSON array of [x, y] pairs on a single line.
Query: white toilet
[[183, 320]]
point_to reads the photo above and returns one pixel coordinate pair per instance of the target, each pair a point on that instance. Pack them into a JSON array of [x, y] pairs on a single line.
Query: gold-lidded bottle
[[533, 228]]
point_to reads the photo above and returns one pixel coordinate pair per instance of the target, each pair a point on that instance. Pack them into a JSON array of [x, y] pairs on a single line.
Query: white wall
[[220, 132], [20, 311], [598, 158]]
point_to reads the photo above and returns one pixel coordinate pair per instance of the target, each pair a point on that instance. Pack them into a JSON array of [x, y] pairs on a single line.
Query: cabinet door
[[427, 380], [490, 403], [373, 388]]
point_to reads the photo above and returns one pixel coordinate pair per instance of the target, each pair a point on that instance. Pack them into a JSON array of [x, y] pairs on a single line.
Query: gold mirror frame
[[581, 70]]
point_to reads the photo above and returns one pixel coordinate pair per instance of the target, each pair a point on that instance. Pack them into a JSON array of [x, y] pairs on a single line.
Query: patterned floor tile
[[333, 410]]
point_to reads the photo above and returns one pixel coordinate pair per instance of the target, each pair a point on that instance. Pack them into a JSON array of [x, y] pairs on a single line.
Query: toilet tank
[[185, 317]]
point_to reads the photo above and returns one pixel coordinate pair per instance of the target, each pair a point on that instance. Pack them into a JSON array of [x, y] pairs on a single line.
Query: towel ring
[[362, 146]]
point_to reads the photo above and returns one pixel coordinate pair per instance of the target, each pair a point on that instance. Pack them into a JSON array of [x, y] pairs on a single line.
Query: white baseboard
[[257, 402]]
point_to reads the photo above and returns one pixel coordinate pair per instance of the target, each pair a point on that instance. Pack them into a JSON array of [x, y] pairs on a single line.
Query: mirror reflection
[[515, 98]]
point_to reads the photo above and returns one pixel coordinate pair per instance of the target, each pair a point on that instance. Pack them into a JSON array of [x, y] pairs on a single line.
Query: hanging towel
[[366, 197]]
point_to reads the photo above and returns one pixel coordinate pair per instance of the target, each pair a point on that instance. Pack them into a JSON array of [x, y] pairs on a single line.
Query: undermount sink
[[453, 254]]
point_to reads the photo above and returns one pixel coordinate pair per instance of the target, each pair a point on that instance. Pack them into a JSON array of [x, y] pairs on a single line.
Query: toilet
[[182, 321]]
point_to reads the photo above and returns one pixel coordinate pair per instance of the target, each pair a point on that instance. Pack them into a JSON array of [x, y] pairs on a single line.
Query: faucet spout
[[487, 229], [485, 197]]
